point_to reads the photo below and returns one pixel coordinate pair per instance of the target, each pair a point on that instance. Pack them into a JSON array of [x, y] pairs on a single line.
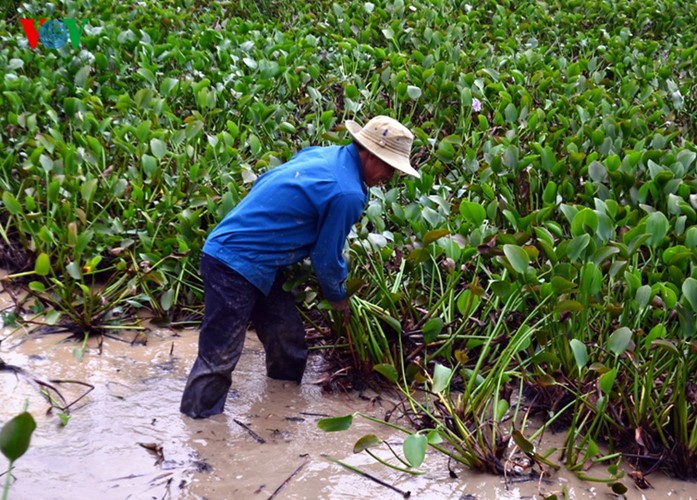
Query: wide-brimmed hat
[[387, 139]]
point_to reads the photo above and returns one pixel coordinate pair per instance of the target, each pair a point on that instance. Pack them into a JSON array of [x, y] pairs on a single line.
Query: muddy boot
[[285, 367], [206, 390]]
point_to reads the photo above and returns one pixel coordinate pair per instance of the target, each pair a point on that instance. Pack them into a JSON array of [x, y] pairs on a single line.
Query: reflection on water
[[267, 440]]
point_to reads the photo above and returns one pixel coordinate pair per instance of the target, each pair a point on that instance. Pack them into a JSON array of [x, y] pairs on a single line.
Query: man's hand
[[342, 306]]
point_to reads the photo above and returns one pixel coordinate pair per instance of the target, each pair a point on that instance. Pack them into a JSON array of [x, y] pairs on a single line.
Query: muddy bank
[[127, 439]]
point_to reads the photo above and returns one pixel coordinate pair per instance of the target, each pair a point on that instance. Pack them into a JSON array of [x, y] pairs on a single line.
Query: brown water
[[135, 400]]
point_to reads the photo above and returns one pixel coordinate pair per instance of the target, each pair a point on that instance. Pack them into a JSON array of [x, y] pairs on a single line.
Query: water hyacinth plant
[[547, 252]]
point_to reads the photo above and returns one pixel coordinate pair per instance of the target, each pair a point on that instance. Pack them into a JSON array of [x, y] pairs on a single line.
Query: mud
[[126, 439]]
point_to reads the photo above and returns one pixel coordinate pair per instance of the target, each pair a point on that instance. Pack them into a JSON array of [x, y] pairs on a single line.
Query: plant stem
[[8, 479]]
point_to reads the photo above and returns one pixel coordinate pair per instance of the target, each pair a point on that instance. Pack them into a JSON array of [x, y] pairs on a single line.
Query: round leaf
[[619, 340], [445, 152], [434, 437], [43, 265], [597, 171], [81, 76], [415, 449], [618, 488], [517, 257], [254, 144], [585, 221], [473, 212], [16, 435], [158, 148], [413, 92]]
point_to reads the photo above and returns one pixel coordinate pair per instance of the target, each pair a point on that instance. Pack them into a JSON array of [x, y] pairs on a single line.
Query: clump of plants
[[544, 264]]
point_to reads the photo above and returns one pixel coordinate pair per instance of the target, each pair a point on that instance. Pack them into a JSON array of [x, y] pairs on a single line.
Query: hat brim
[[397, 162]]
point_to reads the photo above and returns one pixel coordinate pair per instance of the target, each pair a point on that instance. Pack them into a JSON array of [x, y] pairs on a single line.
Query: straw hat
[[387, 139]]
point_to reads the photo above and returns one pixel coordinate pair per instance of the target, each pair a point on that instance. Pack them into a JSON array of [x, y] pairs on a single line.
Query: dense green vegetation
[[545, 262]]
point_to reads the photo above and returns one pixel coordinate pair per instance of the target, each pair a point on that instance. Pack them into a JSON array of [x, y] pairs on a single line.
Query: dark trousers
[[230, 303]]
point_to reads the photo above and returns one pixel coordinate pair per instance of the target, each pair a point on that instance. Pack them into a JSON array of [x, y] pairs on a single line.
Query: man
[[305, 207]]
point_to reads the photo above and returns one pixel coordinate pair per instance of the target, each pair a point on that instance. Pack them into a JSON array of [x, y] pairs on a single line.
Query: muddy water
[[266, 443]]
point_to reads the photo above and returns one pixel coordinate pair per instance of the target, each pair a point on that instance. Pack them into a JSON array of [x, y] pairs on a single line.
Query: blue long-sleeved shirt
[[305, 207]]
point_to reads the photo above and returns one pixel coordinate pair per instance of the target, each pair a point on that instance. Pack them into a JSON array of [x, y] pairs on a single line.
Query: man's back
[[314, 198]]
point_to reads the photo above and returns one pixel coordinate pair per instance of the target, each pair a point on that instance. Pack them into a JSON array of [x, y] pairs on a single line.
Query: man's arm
[[327, 259]]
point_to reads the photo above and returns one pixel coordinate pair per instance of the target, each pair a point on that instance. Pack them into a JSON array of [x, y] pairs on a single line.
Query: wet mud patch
[[106, 447], [125, 438]]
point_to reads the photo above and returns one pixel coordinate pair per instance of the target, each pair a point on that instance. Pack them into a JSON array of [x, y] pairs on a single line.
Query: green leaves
[[432, 329], [150, 166], [42, 266], [386, 370], [167, 299], [607, 381], [415, 449], [11, 203], [15, 436], [158, 148], [585, 221], [657, 226], [147, 75], [472, 212], [557, 191], [81, 76], [517, 257], [366, 442], [522, 443], [441, 378], [335, 424], [591, 279], [620, 340], [445, 152], [689, 290], [580, 353], [577, 246], [435, 235]]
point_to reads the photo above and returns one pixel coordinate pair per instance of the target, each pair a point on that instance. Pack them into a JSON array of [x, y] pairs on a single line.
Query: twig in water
[[288, 479], [168, 491], [315, 414], [90, 388], [256, 436], [405, 494]]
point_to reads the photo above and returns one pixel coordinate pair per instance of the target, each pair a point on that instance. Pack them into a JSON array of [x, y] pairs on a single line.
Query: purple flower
[[476, 105]]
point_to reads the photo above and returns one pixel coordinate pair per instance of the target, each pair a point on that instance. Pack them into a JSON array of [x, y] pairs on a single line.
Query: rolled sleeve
[[327, 259]]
